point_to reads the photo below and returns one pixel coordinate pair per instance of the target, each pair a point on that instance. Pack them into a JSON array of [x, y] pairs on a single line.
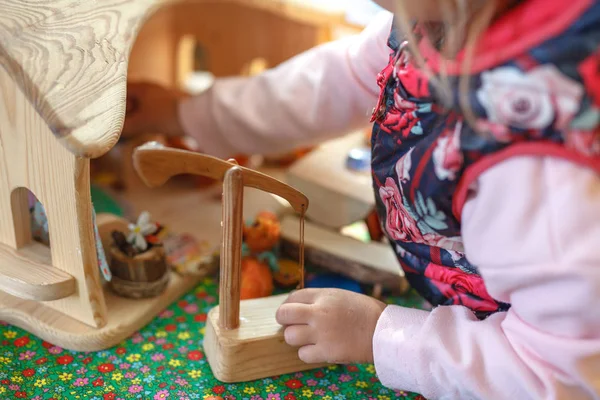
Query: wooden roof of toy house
[[70, 60]]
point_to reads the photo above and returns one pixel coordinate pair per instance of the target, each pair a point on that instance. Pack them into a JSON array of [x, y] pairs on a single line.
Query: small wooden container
[[142, 276]]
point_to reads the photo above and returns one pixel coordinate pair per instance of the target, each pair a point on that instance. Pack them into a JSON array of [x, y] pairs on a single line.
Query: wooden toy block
[[370, 263], [256, 349], [243, 341], [322, 175]]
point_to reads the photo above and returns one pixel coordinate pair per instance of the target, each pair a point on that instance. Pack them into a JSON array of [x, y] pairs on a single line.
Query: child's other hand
[[152, 108], [330, 325]]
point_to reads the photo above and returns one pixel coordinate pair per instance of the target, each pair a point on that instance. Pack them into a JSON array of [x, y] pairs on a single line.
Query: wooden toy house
[[225, 37], [57, 292]]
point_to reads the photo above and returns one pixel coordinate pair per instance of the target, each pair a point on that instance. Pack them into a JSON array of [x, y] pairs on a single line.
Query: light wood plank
[[371, 263], [28, 274], [323, 177]]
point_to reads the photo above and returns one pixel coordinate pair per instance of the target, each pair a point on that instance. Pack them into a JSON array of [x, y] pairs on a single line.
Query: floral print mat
[[165, 360]]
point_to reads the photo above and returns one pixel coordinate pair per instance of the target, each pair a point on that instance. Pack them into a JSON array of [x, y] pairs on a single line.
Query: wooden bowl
[[142, 276]]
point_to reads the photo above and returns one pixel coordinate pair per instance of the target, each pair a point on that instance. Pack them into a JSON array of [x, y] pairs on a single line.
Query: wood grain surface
[[70, 59]]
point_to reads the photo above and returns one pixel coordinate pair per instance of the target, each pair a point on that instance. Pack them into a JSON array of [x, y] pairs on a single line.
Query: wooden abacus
[[242, 341]]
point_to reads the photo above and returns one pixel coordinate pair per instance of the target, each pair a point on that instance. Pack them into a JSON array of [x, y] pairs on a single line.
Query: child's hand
[[330, 325], [152, 108]]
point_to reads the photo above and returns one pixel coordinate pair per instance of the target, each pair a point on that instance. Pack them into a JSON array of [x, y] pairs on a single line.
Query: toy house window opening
[[30, 220], [194, 65]]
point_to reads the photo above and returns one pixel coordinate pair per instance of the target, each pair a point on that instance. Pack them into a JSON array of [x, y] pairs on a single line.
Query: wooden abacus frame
[[242, 341]]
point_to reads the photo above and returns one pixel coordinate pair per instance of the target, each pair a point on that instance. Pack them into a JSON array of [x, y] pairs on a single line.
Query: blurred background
[[188, 44]]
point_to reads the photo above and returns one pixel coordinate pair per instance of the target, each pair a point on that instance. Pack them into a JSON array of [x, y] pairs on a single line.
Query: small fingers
[[311, 354], [293, 314], [305, 296], [299, 335]]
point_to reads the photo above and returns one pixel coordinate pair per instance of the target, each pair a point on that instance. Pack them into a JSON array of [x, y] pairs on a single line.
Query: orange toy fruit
[[263, 234], [257, 279], [289, 273]]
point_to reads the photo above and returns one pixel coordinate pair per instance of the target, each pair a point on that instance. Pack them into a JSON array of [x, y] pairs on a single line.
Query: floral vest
[[540, 95]]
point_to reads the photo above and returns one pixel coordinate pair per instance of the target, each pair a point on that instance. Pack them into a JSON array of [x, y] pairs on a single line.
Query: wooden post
[[231, 249]]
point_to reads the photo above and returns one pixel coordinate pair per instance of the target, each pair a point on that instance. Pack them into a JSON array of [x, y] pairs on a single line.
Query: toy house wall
[[32, 158]]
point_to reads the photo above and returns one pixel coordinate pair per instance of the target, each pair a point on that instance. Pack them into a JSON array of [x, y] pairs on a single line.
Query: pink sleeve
[[532, 228], [322, 93]]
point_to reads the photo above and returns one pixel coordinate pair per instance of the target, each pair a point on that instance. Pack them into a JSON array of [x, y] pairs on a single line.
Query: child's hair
[[463, 23]]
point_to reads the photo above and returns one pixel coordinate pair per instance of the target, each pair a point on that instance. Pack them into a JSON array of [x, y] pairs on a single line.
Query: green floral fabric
[[165, 360]]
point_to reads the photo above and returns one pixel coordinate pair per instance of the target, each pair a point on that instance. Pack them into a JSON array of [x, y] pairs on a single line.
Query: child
[[485, 169]]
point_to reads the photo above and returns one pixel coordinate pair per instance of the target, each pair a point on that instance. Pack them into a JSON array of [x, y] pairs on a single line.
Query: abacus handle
[[156, 164]]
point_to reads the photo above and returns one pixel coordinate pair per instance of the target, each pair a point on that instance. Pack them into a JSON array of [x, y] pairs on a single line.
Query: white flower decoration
[[139, 230]]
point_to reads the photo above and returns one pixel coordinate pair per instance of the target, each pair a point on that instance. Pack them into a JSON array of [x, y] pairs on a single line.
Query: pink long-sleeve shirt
[[533, 249]]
